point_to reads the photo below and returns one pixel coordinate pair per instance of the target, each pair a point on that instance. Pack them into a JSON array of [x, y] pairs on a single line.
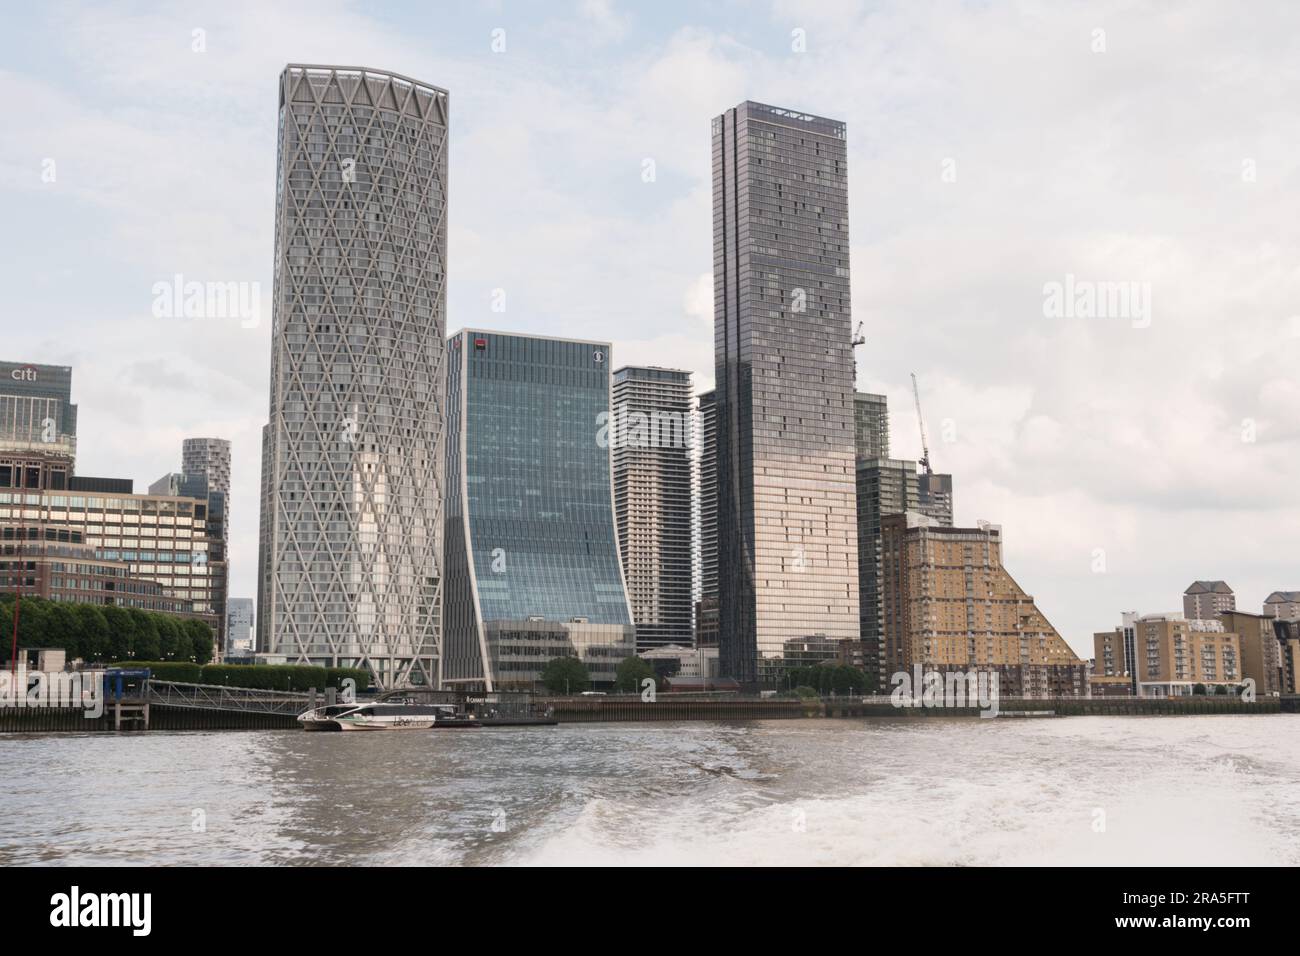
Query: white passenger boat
[[379, 715]]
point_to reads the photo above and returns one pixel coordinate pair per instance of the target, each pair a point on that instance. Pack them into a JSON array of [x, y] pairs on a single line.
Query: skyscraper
[[652, 499], [787, 560], [353, 479], [209, 457], [532, 555], [871, 425], [38, 425]]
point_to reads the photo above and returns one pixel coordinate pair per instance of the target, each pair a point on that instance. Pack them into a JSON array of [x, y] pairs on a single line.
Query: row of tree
[[105, 633], [568, 675]]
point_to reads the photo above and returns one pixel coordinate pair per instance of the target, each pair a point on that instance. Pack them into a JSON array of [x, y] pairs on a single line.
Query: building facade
[[1261, 659], [706, 607], [239, 627], [1203, 600], [1115, 652], [651, 440], [38, 426], [351, 524], [1175, 653], [951, 605], [1288, 638], [885, 486], [787, 530], [153, 552], [1284, 605], [209, 457], [532, 552], [870, 426]]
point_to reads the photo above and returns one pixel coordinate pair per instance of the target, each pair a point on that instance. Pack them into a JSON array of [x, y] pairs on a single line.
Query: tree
[[631, 672], [63, 629], [1199, 689], [566, 675], [169, 631], [93, 633], [147, 644], [200, 635], [121, 633]]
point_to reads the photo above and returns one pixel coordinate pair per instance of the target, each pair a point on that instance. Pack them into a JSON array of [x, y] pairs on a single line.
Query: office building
[[651, 437], [1205, 599], [532, 555], [38, 426], [787, 528], [239, 627], [351, 528], [951, 605]]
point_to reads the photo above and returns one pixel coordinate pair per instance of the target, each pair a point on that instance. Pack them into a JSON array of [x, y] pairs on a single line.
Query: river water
[[1081, 790]]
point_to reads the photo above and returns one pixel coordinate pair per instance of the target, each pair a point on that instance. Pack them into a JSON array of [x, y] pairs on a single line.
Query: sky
[[1002, 157]]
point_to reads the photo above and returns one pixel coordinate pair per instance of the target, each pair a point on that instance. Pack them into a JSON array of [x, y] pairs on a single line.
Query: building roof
[[1283, 597], [1207, 587]]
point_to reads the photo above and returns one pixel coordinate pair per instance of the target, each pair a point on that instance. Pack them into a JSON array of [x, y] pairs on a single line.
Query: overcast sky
[[994, 149]]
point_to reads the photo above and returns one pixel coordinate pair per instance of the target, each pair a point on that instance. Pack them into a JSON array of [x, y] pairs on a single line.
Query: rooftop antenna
[[925, 444]]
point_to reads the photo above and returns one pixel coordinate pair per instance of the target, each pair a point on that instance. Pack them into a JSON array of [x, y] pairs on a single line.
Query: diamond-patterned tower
[[352, 478]]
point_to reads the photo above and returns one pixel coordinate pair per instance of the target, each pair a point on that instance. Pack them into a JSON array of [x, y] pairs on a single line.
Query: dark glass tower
[[532, 555], [787, 539]]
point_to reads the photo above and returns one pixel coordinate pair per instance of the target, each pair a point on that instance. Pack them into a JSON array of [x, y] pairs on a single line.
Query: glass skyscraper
[[352, 472], [532, 557], [787, 539]]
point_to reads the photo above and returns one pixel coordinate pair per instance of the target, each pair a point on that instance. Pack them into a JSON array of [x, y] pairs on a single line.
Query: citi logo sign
[[24, 374], [102, 909]]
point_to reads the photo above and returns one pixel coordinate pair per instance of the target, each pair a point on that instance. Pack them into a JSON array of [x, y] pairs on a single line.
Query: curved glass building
[[349, 572], [532, 557]]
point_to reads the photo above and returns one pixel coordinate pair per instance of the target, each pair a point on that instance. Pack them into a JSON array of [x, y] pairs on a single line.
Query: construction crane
[[920, 420], [859, 338]]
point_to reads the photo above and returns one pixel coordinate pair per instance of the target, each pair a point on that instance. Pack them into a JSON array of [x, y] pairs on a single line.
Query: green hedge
[[168, 670]]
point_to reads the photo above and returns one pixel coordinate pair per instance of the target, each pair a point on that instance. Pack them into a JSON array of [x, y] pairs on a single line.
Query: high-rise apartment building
[[787, 529], [651, 439], [951, 605], [706, 608], [1115, 652], [1175, 653], [870, 425], [532, 555], [885, 486], [209, 457], [1261, 659], [1284, 605], [934, 496], [351, 523], [1288, 638], [1203, 600]]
